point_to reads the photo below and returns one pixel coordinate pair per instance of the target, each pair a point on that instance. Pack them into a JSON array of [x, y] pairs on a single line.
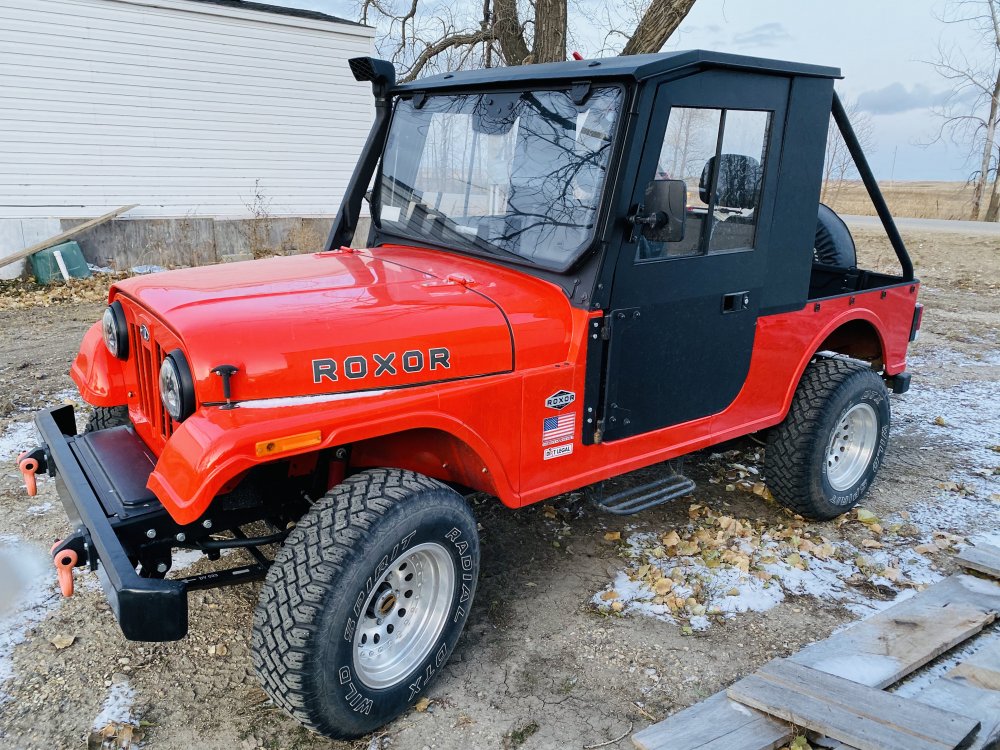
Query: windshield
[[516, 174]]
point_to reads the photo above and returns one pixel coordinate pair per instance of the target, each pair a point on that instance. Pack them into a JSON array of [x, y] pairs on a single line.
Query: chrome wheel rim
[[404, 615], [851, 446]]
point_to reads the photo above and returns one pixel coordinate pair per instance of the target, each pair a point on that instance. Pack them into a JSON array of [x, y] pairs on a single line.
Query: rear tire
[[106, 417], [822, 459], [366, 600]]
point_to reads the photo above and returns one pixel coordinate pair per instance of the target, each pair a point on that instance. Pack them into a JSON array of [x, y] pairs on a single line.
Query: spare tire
[[834, 245]]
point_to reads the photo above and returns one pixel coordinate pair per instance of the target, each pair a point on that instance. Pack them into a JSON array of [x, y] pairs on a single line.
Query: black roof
[[282, 10], [636, 67]]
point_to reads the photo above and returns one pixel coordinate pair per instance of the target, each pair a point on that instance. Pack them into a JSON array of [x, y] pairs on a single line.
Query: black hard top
[[635, 67], [281, 10]]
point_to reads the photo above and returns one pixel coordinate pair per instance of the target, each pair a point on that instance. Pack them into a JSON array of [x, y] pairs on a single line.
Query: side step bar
[[646, 496]]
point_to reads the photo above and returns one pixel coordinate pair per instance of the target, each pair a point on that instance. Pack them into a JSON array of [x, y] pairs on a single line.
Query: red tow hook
[[65, 560], [28, 466]]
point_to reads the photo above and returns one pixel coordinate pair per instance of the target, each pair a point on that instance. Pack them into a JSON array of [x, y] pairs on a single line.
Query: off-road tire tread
[[337, 527], [106, 417], [786, 458]]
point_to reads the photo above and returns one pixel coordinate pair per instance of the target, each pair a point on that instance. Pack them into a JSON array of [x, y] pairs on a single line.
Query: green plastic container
[[45, 264]]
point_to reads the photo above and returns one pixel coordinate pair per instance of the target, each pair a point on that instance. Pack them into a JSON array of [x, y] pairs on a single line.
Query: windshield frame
[[602, 202]]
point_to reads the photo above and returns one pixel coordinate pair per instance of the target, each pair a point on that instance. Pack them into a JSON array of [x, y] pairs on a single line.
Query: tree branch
[[659, 21], [462, 39]]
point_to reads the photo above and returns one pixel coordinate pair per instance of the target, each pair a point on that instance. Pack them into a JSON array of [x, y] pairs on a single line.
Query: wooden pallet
[[874, 653], [864, 717]]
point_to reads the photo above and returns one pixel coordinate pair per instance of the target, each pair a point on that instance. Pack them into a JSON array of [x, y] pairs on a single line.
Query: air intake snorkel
[[382, 75]]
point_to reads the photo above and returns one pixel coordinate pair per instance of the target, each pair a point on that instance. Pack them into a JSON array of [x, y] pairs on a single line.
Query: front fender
[[99, 376], [215, 445]]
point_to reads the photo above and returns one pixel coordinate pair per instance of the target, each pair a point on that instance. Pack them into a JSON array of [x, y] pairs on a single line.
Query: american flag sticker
[[558, 429]]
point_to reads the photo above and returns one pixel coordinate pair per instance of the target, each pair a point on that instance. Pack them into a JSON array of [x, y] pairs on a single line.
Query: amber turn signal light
[[289, 443]]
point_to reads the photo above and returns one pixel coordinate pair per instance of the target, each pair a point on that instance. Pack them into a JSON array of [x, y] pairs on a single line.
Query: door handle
[[735, 301]]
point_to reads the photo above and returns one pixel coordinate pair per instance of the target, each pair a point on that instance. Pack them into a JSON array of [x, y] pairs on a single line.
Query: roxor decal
[[357, 367], [560, 400]]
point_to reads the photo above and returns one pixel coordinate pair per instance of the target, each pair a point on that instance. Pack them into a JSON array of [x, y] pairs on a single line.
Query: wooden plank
[[982, 668], [961, 697], [63, 236], [714, 724], [890, 645], [865, 718], [972, 689], [984, 558]]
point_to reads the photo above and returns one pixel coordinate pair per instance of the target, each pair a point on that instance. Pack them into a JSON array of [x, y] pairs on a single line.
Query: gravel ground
[[546, 661]]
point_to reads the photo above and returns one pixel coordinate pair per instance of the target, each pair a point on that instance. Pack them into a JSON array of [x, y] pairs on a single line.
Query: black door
[[683, 314]]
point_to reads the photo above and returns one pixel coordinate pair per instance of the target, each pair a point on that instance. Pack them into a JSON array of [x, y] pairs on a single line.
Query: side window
[[720, 154]]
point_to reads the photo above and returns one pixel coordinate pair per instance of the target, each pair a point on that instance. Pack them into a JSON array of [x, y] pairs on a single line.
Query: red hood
[[323, 323]]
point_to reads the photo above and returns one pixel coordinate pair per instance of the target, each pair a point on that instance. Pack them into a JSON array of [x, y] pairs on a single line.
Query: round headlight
[[176, 386], [115, 331]]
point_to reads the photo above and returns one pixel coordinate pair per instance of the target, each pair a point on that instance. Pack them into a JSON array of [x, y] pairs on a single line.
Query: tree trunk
[[509, 33], [984, 170], [550, 31], [658, 22], [993, 212]]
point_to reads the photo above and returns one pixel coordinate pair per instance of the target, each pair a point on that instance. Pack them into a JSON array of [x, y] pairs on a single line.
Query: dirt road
[[546, 661], [948, 226]]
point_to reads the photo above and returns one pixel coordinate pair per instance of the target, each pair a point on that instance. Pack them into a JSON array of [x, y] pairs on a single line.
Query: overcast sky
[[878, 44]]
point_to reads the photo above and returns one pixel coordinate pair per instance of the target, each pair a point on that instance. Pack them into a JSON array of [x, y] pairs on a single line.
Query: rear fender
[[99, 375], [837, 329], [214, 445]]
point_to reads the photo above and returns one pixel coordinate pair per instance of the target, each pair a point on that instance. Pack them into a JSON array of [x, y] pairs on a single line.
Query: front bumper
[[148, 609]]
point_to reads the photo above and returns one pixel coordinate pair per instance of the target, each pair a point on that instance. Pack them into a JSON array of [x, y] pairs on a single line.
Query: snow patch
[[117, 706], [17, 437], [635, 597], [39, 510], [729, 591], [184, 558], [27, 596], [969, 412]]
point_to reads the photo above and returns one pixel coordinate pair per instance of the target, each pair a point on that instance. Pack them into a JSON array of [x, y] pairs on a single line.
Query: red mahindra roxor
[[574, 270]]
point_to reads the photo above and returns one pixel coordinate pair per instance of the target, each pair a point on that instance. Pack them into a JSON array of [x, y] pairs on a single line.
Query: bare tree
[[971, 114], [839, 166], [423, 36]]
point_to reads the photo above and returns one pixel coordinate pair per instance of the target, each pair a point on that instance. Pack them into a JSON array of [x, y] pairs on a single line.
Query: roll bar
[[874, 192]]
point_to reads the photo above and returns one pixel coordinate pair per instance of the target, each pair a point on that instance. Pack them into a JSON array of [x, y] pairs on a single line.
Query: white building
[[190, 108]]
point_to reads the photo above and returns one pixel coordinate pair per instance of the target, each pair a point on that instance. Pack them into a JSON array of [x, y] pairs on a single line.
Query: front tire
[[106, 417], [822, 459], [366, 600]]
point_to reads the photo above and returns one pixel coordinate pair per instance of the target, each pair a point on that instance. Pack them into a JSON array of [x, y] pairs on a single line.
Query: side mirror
[[662, 215], [738, 183]]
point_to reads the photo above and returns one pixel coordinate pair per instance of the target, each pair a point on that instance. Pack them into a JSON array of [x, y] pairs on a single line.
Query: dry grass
[[920, 200]]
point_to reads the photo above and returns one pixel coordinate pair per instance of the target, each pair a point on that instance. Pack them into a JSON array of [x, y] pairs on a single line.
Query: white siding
[[177, 105]]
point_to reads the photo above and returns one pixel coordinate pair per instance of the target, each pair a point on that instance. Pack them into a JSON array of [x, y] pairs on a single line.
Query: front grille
[[147, 362]]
